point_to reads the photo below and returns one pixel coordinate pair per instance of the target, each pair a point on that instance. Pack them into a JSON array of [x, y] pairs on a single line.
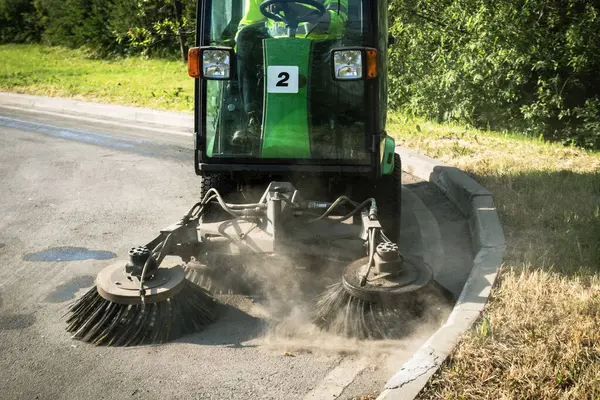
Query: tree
[[526, 65], [157, 27], [18, 21]]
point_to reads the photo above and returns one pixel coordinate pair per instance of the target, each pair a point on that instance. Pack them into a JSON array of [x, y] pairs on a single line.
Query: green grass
[[60, 72]]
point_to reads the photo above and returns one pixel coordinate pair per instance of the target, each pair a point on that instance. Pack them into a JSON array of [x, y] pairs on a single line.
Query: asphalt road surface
[[76, 194]]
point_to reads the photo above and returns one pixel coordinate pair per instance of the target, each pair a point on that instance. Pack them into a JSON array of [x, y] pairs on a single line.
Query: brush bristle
[[221, 280], [340, 313], [101, 322], [204, 280]]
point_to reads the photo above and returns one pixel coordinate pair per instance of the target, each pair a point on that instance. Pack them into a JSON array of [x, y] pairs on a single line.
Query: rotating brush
[[379, 295], [125, 309], [341, 313], [219, 277]]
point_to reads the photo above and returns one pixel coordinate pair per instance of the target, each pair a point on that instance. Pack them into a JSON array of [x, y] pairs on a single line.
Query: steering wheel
[[287, 15]]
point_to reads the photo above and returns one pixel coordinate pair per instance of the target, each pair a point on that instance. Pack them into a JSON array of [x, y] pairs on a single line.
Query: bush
[[151, 28], [18, 21], [528, 65], [105, 27], [77, 23]]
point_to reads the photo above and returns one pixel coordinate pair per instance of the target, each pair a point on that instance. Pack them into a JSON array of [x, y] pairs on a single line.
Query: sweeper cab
[[295, 91], [290, 119]]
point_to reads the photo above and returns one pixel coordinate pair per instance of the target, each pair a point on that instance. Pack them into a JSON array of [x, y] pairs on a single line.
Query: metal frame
[[282, 222]]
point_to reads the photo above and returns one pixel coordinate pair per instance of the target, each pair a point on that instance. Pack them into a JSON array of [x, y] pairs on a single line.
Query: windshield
[[282, 101]]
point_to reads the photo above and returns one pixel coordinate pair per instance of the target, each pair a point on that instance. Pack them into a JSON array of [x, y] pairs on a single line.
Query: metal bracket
[[368, 224]]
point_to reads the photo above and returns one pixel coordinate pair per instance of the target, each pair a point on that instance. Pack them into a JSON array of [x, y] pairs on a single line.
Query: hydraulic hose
[[235, 210], [222, 203], [161, 256], [338, 202], [358, 209]]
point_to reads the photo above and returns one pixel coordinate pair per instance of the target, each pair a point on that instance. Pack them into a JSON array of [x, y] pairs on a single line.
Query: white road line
[[337, 380], [102, 121]]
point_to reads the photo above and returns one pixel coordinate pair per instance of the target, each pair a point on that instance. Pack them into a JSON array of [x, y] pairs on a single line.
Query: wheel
[[224, 186], [388, 193]]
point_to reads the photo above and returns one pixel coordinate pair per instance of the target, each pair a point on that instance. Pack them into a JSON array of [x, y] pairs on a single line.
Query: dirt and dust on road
[[71, 206]]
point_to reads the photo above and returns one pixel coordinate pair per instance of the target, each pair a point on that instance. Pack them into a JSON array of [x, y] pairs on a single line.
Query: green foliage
[[76, 23], [18, 21], [104, 27], [526, 65], [151, 27], [484, 328]]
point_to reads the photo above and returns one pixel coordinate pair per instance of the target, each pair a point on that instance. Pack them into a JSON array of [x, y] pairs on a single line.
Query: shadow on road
[[233, 328], [14, 321]]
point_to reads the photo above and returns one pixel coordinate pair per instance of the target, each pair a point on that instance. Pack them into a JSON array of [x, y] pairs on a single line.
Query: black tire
[[209, 181], [388, 193], [224, 186]]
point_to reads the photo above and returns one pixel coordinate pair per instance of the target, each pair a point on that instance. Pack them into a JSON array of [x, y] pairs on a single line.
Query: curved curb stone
[[487, 235]]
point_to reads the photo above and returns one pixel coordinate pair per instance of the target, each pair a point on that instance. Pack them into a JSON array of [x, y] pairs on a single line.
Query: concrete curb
[[100, 111], [477, 204]]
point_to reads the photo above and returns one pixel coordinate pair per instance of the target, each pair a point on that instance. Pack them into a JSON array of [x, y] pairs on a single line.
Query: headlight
[[211, 62], [216, 64], [348, 64]]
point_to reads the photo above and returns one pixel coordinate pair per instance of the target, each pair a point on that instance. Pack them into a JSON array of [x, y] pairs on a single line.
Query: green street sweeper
[[294, 164]]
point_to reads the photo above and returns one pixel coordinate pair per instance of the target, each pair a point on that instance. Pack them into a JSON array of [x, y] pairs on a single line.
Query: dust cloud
[[288, 292], [285, 292]]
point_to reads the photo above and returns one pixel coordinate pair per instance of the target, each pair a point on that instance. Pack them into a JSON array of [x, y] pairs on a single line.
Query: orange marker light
[[371, 63], [194, 62]]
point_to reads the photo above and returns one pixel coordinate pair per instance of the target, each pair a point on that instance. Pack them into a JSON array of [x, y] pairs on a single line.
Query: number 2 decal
[[283, 79]]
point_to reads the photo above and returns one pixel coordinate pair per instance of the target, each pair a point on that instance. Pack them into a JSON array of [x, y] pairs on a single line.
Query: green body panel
[[387, 155], [210, 149], [285, 124]]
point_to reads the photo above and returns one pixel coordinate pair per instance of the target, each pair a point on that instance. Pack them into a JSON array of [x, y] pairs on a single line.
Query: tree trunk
[[178, 20]]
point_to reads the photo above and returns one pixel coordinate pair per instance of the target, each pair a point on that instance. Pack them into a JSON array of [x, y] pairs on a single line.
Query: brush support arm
[[281, 222]]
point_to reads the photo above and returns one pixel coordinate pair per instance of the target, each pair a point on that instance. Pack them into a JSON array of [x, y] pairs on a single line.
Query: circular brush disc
[[385, 308], [380, 288], [113, 314], [116, 286]]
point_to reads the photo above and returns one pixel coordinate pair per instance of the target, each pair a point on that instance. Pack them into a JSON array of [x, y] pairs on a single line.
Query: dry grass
[[540, 334], [540, 338]]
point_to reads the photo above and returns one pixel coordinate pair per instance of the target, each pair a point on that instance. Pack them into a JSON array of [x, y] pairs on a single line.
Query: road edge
[[106, 112], [477, 204]]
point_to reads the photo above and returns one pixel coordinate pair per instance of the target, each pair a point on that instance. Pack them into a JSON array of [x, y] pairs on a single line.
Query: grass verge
[[60, 72], [539, 336]]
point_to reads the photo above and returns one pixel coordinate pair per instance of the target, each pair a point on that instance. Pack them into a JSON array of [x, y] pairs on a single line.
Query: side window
[[225, 18], [221, 15], [354, 26]]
